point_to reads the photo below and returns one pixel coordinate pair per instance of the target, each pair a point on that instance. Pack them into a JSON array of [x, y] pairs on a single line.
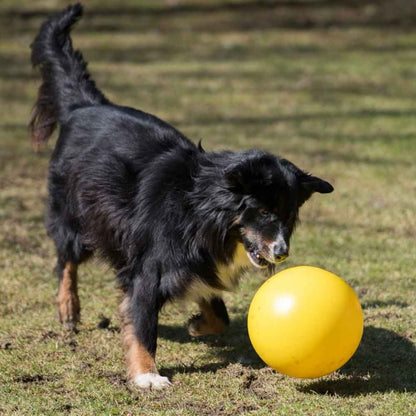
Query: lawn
[[330, 87]]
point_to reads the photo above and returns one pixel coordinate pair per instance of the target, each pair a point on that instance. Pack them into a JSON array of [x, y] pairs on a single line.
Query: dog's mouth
[[257, 259]]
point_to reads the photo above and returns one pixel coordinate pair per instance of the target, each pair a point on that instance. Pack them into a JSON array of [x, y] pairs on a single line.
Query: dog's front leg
[[139, 312]]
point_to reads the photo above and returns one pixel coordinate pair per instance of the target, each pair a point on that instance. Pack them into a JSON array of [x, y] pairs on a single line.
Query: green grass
[[338, 100]]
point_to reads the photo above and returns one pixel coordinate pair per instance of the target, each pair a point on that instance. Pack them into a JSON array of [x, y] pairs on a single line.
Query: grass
[[330, 87]]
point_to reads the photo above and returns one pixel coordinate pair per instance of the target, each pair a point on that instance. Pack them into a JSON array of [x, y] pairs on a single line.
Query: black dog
[[173, 220]]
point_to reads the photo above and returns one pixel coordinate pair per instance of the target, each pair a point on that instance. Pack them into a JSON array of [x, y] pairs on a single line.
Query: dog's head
[[271, 191]]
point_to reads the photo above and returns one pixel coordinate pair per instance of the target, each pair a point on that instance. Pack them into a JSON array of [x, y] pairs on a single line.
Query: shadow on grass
[[248, 15], [383, 362], [229, 348], [383, 304], [297, 117]]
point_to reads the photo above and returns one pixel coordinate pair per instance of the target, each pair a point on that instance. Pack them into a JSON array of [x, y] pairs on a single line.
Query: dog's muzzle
[[280, 251], [259, 260]]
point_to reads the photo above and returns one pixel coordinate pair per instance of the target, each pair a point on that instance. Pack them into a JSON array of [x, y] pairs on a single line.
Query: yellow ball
[[305, 322]]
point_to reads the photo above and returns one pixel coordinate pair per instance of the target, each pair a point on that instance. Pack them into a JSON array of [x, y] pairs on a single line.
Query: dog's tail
[[66, 83]]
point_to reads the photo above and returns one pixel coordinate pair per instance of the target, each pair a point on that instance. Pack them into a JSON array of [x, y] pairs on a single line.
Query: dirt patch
[[36, 378], [104, 322], [45, 336], [5, 344], [114, 378]]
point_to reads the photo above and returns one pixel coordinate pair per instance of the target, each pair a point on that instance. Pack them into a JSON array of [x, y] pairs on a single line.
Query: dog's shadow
[[384, 361], [231, 347]]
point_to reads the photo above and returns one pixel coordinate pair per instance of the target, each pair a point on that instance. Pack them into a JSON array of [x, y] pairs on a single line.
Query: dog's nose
[[280, 253]]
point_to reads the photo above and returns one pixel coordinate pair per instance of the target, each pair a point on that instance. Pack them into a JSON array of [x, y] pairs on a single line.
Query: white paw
[[151, 381]]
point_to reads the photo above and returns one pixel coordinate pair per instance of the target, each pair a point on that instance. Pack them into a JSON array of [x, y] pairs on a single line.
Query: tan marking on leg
[[67, 299], [138, 359], [206, 323]]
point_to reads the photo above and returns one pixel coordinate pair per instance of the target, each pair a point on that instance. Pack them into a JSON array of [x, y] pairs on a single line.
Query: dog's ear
[[310, 184], [307, 184]]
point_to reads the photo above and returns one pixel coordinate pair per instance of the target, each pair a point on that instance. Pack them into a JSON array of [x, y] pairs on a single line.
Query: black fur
[[134, 189], [66, 81]]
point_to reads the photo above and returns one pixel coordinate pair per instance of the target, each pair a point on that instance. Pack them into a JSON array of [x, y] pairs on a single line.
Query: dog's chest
[[228, 274]]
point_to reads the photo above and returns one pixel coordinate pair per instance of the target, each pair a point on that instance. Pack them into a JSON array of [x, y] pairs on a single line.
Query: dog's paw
[[69, 311], [198, 326], [194, 325], [151, 381]]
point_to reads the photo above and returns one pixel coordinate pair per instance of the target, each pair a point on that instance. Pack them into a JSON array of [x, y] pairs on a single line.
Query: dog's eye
[[264, 212]]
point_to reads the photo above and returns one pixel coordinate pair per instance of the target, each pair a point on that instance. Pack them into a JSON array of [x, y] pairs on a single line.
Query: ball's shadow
[[383, 362]]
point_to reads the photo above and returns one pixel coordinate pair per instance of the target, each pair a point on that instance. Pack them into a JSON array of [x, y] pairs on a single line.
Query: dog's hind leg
[[64, 228], [68, 304], [67, 300], [212, 320], [71, 253]]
